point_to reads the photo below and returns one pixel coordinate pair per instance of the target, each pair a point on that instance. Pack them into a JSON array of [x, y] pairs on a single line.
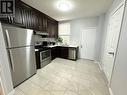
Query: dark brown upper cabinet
[[28, 17], [52, 28], [18, 14], [42, 22]]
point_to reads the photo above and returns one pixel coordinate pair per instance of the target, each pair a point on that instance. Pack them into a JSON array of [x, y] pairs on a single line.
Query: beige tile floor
[[65, 77]]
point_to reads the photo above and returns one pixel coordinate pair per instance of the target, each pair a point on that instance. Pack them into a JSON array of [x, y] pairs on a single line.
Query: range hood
[[41, 33]]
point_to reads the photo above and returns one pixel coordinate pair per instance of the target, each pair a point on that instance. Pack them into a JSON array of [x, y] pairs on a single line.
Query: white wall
[[82, 23], [79, 24], [103, 39], [5, 68], [100, 37]]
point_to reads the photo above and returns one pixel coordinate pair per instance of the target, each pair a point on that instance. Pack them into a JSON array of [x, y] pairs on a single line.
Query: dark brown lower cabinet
[[64, 52], [53, 53], [60, 52], [37, 54]]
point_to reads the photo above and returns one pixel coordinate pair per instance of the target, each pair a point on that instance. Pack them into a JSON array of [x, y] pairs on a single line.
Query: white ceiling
[[81, 8]]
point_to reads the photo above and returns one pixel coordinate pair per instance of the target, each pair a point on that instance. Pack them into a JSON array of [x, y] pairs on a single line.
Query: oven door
[[45, 57]]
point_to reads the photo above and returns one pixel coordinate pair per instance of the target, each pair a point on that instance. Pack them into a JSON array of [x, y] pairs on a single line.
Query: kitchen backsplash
[[38, 38]]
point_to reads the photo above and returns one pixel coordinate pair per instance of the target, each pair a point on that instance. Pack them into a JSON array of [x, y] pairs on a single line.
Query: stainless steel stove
[[43, 55]]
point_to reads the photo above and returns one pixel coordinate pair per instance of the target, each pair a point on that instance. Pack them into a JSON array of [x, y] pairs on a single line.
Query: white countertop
[[73, 46], [36, 49]]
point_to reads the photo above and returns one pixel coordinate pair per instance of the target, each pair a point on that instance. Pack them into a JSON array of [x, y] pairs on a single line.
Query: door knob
[[112, 53], [81, 46]]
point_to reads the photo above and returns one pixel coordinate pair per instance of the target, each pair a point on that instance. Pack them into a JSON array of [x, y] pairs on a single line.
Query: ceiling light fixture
[[64, 5]]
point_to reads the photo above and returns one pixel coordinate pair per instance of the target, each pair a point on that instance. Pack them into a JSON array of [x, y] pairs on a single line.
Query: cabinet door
[[29, 17], [49, 27], [52, 29], [55, 30], [24, 15], [28, 13], [54, 53], [64, 52], [32, 19], [18, 14], [52, 32], [41, 22], [35, 20], [44, 23]]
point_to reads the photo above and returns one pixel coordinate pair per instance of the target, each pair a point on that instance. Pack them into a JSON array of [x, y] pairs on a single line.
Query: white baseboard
[[110, 91], [99, 64], [12, 92]]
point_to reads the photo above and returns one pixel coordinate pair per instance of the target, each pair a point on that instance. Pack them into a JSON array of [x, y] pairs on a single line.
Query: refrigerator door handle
[[7, 37], [11, 61]]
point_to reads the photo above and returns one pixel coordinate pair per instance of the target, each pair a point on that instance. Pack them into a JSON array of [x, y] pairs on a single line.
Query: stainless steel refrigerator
[[21, 54]]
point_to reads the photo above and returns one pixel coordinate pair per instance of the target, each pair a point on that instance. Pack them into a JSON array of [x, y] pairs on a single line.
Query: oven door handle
[[44, 51]]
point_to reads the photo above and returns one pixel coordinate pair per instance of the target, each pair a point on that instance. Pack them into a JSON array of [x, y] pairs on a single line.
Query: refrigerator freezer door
[[24, 65], [17, 37]]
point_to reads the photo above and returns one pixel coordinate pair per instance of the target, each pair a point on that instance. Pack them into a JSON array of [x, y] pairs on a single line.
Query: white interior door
[[88, 42], [112, 41]]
